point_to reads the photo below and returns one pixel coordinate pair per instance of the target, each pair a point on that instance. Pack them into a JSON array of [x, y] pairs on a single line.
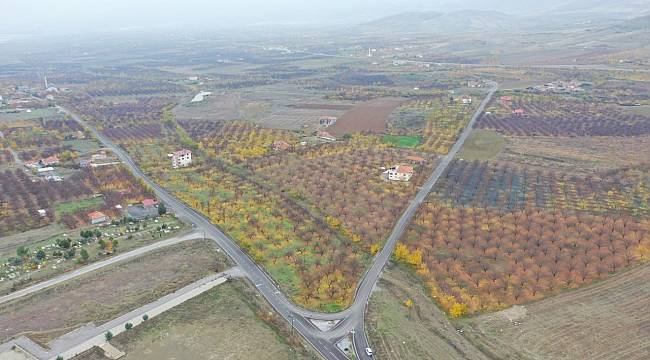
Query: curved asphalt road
[[350, 319]]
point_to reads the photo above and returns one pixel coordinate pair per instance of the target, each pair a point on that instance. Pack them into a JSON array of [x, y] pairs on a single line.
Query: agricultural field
[[67, 201], [108, 115], [266, 198], [601, 321], [537, 115], [402, 141], [436, 120], [108, 293], [484, 184], [537, 203], [403, 323], [577, 155], [483, 145], [236, 141], [301, 252], [370, 116], [347, 184], [248, 328]]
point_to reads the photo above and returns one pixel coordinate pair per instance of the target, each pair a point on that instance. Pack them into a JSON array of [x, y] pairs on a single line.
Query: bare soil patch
[[370, 116], [227, 322], [323, 106], [608, 320], [576, 154], [420, 332]]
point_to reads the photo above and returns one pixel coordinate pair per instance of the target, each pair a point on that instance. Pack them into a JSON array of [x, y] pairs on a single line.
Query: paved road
[[249, 268], [98, 265], [351, 320], [85, 337], [372, 275]]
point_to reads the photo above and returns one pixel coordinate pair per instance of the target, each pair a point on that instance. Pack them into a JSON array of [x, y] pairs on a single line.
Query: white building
[[200, 96], [400, 173], [327, 121], [466, 100], [181, 158]]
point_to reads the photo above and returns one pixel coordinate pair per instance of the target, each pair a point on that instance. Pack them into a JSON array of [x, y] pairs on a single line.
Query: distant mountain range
[[625, 14], [464, 21]]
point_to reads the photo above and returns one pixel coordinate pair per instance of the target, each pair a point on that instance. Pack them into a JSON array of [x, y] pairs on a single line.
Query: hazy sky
[[64, 16], [17, 16]]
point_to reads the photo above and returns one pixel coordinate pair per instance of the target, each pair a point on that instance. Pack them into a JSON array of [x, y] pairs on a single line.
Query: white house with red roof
[[181, 158], [50, 160], [400, 173], [97, 217]]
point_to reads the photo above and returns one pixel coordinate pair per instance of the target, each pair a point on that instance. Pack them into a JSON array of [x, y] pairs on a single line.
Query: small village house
[[325, 136], [97, 217], [400, 173], [33, 164], [43, 170], [327, 121], [50, 160], [416, 159], [99, 156], [518, 112], [149, 203], [466, 99], [181, 158]]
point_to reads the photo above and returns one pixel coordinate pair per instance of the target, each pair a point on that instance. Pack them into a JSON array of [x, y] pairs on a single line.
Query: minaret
[[45, 78]]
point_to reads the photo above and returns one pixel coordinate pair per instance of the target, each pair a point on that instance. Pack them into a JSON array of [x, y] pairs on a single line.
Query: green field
[[408, 142], [8, 115], [73, 206], [83, 146], [482, 145]]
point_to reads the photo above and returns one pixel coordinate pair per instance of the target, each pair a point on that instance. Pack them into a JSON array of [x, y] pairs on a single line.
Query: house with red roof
[[400, 173], [97, 217], [50, 160], [416, 159], [149, 203]]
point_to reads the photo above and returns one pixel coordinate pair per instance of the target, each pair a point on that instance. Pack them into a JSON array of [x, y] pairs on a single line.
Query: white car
[[369, 351]]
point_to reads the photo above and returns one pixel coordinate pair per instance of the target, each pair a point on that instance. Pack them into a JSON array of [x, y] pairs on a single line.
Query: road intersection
[[348, 321]]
